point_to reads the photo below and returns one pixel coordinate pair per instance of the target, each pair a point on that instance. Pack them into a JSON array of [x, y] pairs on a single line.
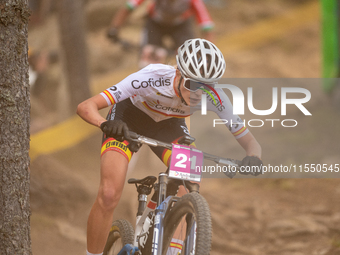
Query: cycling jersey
[[151, 90], [169, 130], [174, 12]]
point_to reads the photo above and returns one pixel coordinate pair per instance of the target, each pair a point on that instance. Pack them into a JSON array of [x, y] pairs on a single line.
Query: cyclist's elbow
[[80, 108]]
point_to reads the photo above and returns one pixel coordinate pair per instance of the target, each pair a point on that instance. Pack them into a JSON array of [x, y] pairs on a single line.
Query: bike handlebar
[[155, 143]]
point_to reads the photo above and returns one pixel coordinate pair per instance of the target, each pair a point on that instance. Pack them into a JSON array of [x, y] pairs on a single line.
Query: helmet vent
[[206, 45], [208, 66], [190, 48], [201, 60], [185, 56], [198, 58]]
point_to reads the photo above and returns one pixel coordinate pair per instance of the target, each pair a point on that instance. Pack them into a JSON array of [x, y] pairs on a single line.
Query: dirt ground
[[262, 216]]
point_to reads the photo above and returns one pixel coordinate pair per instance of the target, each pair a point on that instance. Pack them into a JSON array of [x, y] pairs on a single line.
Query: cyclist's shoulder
[[157, 66], [218, 101], [154, 77], [159, 69]]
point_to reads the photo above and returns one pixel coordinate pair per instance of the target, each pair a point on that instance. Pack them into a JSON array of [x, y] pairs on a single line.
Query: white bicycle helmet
[[200, 60]]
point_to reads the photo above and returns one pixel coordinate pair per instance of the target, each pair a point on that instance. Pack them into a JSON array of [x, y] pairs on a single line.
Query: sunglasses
[[191, 85]]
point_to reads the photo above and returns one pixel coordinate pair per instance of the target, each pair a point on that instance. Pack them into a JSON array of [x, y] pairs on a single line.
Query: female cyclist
[[154, 102]]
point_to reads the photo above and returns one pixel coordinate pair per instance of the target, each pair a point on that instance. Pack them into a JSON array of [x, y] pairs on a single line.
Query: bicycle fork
[[157, 242], [164, 203], [190, 242]]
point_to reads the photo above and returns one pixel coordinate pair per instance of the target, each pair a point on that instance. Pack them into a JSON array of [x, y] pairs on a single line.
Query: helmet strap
[[180, 93]]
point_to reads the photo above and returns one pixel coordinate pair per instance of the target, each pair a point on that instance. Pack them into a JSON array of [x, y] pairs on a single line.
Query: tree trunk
[[72, 30], [14, 129]]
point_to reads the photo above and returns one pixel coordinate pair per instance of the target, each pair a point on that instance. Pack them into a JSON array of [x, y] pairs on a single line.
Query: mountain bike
[[167, 216]]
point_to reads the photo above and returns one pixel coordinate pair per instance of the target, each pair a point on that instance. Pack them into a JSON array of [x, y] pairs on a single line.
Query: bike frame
[[164, 203]]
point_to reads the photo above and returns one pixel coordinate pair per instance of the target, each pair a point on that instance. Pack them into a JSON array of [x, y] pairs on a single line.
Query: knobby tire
[[121, 233], [192, 204]]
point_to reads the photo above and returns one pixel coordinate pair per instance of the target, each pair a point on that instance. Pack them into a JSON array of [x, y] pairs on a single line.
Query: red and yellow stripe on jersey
[[108, 96], [112, 144], [240, 131], [167, 153]]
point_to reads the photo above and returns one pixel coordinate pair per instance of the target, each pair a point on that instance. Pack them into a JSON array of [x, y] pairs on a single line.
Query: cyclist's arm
[[89, 110], [128, 87], [236, 126], [224, 110], [250, 145]]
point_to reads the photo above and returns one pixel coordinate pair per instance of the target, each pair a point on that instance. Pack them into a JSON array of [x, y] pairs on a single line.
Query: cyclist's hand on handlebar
[[250, 161], [112, 34], [116, 129]]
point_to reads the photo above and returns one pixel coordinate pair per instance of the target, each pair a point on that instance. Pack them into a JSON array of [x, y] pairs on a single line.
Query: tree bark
[[72, 31], [14, 129]]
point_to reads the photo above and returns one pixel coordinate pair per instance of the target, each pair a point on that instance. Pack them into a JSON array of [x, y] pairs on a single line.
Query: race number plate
[[186, 163]]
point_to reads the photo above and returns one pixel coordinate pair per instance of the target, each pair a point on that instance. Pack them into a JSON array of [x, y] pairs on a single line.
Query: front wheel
[[190, 221], [121, 233]]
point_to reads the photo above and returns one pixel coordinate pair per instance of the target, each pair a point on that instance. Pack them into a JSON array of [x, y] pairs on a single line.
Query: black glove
[[116, 129], [250, 161], [112, 34]]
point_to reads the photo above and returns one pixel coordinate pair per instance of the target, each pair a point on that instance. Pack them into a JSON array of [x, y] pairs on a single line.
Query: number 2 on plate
[[183, 159]]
